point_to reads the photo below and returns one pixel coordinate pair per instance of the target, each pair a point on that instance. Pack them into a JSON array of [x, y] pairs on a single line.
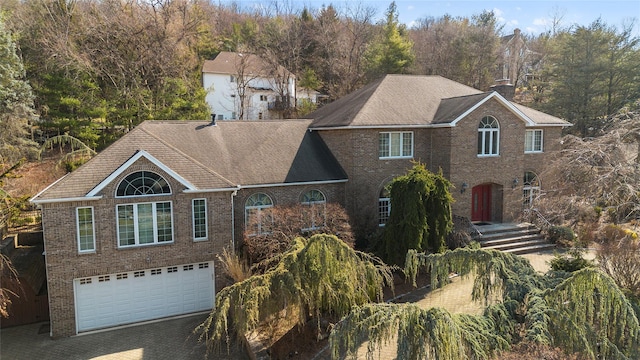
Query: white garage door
[[129, 297]]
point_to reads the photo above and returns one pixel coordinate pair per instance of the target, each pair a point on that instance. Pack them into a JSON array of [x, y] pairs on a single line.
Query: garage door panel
[[123, 298]]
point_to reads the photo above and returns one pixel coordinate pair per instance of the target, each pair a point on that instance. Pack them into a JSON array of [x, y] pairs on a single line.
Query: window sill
[[144, 245], [86, 252], [201, 239], [534, 152], [488, 156], [395, 157]]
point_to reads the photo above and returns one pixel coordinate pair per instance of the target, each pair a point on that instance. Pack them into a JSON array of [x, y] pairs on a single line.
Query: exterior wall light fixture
[[463, 187]]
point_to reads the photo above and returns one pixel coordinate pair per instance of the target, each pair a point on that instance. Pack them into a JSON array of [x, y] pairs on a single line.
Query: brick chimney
[[504, 88]]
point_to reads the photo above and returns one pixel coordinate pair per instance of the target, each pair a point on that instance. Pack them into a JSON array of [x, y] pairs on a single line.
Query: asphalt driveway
[[170, 339]]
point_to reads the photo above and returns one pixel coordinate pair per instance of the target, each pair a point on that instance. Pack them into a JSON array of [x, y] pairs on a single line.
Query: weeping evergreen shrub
[[420, 215], [583, 312], [316, 276]]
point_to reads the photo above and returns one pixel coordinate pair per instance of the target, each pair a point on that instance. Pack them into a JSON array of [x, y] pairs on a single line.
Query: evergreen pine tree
[[16, 104]]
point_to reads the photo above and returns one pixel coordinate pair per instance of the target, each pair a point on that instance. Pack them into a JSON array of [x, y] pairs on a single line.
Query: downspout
[[46, 271], [233, 218]]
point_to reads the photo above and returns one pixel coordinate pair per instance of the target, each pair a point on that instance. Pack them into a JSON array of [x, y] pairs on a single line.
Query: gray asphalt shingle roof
[[409, 100], [232, 62], [223, 156]]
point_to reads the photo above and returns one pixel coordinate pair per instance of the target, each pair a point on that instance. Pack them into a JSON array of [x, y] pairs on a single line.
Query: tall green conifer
[[16, 104]]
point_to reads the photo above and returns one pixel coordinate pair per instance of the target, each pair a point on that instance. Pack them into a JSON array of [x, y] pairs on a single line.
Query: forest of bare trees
[[97, 67]]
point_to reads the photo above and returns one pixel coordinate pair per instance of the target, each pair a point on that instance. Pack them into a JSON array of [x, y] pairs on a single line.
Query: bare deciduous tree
[[281, 224], [594, 176]]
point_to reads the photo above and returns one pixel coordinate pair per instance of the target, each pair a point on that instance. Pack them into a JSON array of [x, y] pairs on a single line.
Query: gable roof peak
[[392, 100], [234, 63]]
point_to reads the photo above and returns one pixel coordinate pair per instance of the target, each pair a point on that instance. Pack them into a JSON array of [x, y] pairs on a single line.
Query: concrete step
[[531, 249], [510, 235], [513, 238], [489, 230], [516, 244]]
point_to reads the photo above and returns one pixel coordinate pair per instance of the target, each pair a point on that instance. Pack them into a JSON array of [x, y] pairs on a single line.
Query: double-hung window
[[86, 229], [144, 223], [533, 141], [398, 144], [199, 208]]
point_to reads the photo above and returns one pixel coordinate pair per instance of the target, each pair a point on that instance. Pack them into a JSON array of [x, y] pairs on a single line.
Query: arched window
[[530, 188], [145, 223], [315, 217], [255, 219], [143, 183], [488, 137], [384, 206]]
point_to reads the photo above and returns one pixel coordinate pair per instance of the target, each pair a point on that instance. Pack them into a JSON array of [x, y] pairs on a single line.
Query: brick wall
[[64, 263], [283, 195], [454, 150], [357, 152]]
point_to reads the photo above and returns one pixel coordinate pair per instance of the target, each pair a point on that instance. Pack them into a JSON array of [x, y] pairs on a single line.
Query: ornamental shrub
[[560, 235]]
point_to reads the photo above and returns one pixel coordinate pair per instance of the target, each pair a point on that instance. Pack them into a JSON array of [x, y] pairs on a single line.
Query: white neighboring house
[[244, 86], [311, 95]]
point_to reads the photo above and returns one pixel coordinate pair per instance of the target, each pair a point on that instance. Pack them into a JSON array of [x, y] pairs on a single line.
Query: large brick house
[[133, 234]]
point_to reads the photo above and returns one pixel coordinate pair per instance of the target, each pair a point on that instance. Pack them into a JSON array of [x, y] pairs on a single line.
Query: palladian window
[[488, 137], [143, 183], [144, 223]]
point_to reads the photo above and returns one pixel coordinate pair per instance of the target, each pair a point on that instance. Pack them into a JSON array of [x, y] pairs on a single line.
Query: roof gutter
[[408, 126], [72, 199], [200, 191], [550, 125], [293, 184]]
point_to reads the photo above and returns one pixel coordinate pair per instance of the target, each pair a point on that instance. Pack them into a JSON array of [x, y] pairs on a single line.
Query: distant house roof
[[232, 62], [207, 157], [414, 101]]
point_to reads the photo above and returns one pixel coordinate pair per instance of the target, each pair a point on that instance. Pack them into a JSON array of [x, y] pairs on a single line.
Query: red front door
[[481, 203]]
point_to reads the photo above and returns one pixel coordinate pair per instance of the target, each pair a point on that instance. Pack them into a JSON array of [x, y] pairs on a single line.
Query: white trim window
[[255, 219], [315, 217], [85, 229], [533, 141], [199, 217], [384, 206], [489, 137], [143, 183], [145, 224], [395, 145], [530, 188]]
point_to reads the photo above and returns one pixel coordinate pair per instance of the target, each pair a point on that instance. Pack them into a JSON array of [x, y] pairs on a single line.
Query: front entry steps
[[517, 239]]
